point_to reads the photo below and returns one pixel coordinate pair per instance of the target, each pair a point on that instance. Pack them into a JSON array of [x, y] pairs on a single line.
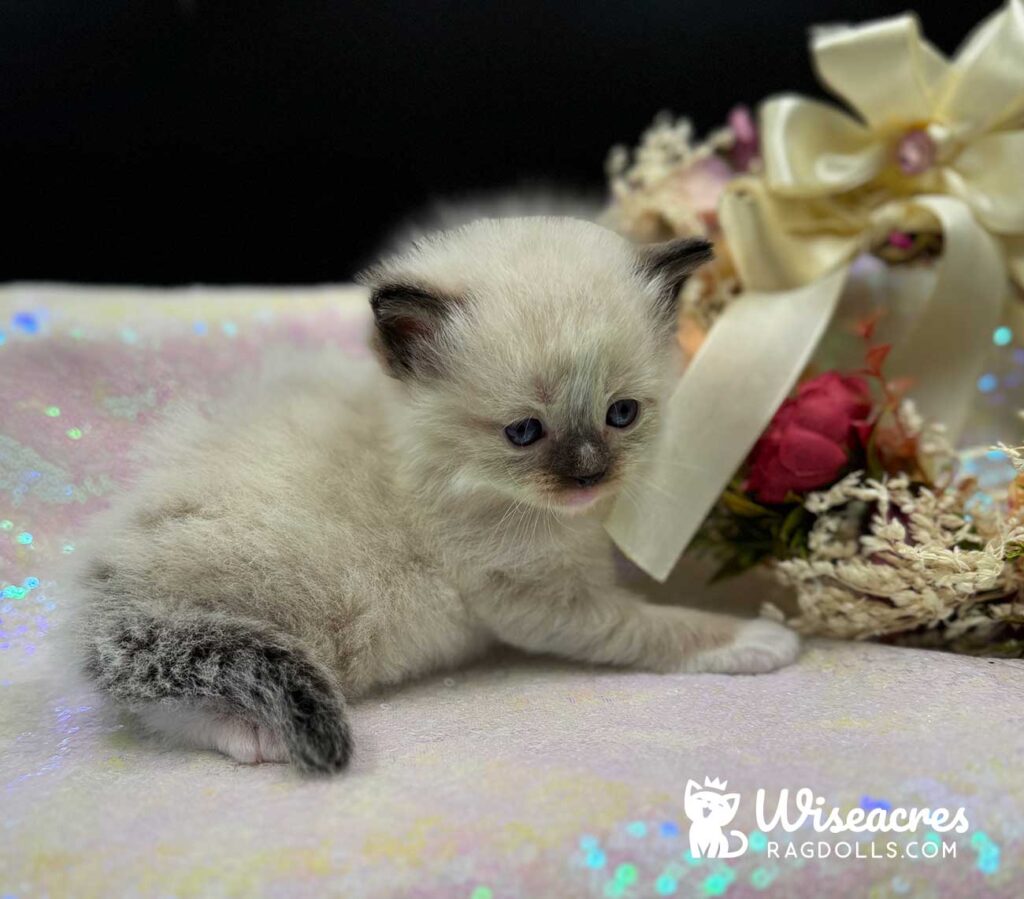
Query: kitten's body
[[334, 529]]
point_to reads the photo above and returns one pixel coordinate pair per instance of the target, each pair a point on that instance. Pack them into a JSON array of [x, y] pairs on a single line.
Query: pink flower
[[747, 147], [700, 184], [811, 438]]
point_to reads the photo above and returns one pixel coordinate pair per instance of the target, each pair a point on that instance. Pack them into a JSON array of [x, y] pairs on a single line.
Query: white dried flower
[[921, 561]]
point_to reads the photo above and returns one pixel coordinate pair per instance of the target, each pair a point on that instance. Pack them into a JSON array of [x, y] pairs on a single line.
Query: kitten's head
[[538, 353]]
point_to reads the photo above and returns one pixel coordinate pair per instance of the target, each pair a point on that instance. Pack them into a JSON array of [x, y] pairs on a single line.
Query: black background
[[215, 140]]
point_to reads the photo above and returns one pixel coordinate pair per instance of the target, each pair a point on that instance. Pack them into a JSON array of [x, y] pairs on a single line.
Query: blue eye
[[622, 413], [525, 432]]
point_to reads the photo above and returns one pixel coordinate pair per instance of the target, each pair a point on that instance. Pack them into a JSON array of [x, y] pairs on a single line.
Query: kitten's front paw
[[758, 647]]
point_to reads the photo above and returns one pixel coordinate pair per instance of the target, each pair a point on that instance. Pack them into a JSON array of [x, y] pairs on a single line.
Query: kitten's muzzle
[[580, 460], [589, 480]]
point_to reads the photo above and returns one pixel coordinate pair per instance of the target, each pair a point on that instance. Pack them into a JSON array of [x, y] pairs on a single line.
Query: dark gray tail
[[136, 657]]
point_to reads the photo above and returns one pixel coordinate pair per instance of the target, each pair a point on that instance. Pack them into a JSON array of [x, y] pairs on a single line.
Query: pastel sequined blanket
[[518, 778]]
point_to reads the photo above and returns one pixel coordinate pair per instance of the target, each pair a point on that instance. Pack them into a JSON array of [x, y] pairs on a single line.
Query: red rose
[[810, 439]]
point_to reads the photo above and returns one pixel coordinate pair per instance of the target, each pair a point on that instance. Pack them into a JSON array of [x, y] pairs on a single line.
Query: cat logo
[[710, 809]]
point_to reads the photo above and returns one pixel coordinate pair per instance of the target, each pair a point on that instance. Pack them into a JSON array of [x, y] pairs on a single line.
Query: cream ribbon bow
[[939, 146]]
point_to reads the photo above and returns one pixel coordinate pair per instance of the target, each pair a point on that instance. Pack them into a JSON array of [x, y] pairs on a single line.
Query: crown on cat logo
[[715, 784]]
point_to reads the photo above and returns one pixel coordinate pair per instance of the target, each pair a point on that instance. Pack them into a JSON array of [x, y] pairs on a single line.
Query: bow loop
[[811, 149], [983, 89], [849, 59], [988, 175]]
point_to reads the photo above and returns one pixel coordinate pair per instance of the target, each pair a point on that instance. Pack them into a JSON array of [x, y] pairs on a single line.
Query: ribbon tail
[[945, 353], [724, 401]]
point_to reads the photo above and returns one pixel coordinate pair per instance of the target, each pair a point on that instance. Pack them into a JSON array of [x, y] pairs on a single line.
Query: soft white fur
[[389, 525]]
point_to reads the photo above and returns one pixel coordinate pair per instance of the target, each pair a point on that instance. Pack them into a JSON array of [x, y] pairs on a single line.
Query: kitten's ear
[[669, 264], [409, 322], [692, 787], [732, 800]]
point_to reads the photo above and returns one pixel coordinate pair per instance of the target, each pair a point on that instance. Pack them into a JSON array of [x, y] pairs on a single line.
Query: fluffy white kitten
[[348, 525]]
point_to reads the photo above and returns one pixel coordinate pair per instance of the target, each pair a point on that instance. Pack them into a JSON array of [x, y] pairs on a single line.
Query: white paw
[[758, 647], [248, 744], [199, 728]]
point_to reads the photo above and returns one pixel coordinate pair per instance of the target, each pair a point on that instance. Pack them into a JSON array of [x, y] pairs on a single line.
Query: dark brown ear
[[669, 264], [409, 321]]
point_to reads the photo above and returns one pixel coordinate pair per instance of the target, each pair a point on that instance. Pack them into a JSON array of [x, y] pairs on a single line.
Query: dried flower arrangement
[[858, 505], [670, 186], [850, 497]]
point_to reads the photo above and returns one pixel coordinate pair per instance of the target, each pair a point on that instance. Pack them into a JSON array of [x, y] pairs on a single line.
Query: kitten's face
[[539, 353], [557, 425]]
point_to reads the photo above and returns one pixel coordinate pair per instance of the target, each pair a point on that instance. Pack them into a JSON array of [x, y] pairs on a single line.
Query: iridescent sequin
[[626, 873], [716, 884], [988, 860], [665, 885], [26, 321], [1002, 336], [988, 382]]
